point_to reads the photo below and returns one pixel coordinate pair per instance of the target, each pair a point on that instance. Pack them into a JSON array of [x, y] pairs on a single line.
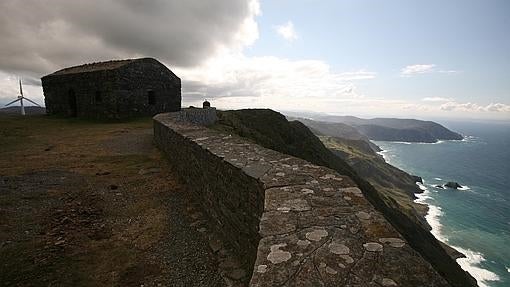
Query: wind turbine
[[21, 98]]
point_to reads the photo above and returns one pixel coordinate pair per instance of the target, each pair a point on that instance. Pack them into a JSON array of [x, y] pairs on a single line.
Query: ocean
[[475, 219]]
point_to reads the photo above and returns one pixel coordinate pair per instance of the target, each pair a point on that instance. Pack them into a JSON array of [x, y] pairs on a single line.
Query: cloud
[[417, 69], [287, 31], [436, 99], [472, 107], [201, 41], [238, 81], [413, 70], [38, 37], [448, 71]]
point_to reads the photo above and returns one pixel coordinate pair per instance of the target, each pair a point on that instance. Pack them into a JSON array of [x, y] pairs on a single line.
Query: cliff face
[[271, 129], [388, 180]]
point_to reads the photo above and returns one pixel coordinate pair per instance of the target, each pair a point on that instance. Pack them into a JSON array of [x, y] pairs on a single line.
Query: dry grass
[[75, 208]]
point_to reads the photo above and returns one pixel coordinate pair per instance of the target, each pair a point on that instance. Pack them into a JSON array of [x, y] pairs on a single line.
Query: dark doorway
[[73, 109], [151, 97], [98, 98]]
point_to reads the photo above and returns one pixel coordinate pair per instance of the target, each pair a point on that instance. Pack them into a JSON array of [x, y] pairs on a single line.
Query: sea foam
[[472, 265], [434, 213], [383, 154], [473, 259], [464, 187]]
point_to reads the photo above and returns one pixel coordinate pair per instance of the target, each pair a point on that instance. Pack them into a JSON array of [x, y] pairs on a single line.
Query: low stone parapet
[[298, 224], [204, 117]]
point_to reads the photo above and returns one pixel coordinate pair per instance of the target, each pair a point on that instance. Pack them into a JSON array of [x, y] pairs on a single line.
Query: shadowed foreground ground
[[95, 204]]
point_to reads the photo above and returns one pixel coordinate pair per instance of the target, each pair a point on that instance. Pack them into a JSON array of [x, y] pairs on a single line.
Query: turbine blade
[[20, 88], [13, 102], [31, 101]]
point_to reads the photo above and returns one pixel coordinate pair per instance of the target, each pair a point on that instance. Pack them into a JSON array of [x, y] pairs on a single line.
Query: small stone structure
[[113, 89], [204, 117], [296, 223]]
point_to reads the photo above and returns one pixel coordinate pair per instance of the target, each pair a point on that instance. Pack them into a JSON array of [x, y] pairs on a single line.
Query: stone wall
[[298, 224], [134, 81], [204, 117], [83, 87], [114, 93]]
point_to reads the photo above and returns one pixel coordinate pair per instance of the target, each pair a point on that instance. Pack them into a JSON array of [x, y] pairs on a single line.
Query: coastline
[[471, 259], [469, 262]]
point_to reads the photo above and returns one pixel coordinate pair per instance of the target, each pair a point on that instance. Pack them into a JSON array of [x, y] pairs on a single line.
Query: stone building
[[113, 89]]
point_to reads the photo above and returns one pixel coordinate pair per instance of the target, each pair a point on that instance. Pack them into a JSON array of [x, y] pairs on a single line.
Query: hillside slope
[[386, 178], [392, 129], [272, 130], [338, 130]]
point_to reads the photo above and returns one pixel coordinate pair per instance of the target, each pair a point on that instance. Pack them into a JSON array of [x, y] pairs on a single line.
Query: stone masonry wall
[[58, 90], [117, 93], [204, 117], [135, 80], [298, 223]]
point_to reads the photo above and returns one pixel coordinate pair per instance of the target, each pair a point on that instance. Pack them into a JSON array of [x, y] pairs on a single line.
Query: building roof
[[93, 67]]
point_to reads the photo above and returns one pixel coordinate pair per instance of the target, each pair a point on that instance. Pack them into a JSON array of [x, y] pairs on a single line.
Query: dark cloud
[[41, 36]]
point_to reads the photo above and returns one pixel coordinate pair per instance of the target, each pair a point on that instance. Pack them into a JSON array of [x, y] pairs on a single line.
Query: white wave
[[470, 139], [433, 217], [472, 265], [508, 269], [473, 259], [434, 213], [421, 185], [403, 142], [467, 138], [437, 187], [464, 187], [383, 154], [438, 142], [438, 178]]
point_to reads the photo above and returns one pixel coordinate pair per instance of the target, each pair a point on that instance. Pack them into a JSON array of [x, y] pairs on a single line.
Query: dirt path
[[94, 204]]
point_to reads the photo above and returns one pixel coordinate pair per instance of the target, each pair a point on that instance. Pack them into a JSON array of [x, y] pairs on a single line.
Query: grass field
[[86, 203]]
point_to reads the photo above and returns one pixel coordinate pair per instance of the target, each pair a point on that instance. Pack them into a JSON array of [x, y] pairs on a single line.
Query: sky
[[407, 58]]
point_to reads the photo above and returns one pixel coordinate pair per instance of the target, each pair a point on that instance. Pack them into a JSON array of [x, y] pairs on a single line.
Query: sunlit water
[[476, 219]]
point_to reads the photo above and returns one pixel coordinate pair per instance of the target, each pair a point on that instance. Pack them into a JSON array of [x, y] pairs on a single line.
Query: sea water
[[475, 219]]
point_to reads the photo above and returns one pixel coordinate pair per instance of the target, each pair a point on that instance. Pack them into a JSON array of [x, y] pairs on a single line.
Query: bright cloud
[[287, 31], [436, 99], [234, 79], [413, 70], [472, 107], [417, 69]]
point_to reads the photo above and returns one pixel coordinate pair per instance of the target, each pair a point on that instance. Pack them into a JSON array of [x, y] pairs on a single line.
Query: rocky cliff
[[272, 130]]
